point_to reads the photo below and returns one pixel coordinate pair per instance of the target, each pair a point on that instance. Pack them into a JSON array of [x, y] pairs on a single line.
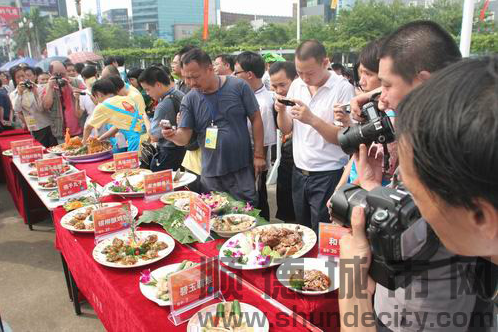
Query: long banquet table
[[115, 296]]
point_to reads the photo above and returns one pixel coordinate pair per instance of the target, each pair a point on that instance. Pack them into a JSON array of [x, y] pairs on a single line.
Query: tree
[[37, 34]]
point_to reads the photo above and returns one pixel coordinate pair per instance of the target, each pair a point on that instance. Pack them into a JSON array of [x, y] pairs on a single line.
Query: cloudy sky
[[259, 7]]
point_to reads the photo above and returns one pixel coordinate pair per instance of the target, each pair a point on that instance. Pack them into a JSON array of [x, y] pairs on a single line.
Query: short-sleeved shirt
[[136, 95], [105, 115], [234, 102], [310, 150], [165, 110]]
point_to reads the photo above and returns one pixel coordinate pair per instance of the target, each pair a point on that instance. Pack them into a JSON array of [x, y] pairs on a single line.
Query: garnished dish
[[70, 143], [75, 203], [267, 245], [310, 276], [7, 153], [92, 147], [49, 184], [229, 317], [80, 220], [125, 250], [130, 172], [128, 186], [65, 170], [217, 202], [54, 195], [154, 285], [231, 224], [172, 197], [108, 167]]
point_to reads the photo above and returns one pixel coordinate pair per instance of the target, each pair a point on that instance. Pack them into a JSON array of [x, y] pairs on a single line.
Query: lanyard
[[211, 107]]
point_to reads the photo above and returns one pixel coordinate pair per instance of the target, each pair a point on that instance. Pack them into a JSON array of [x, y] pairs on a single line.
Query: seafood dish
[[129, 251], [310, 280], [233, 223]]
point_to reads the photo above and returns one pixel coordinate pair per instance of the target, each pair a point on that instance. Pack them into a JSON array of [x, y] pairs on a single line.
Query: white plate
[[57, 150], [165, 198], [194, 322], [7, 153], [330, 268], [68, 216], [186, 179], [101, 258], [103, 167], [45, 188], [70, 170], [228, 234], [121, 174], [308, 236], [150, 291]]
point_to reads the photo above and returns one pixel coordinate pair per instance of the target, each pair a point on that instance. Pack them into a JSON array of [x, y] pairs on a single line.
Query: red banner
[[126, 160], [158, 183], [111, 219], [30, 154], [19, 145], [329, 237], [205, 19], [200, 212], [71, 184], [47, 167], [8, 16]]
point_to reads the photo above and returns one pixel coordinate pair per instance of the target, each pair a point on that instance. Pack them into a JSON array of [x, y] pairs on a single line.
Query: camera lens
[[344, 200]]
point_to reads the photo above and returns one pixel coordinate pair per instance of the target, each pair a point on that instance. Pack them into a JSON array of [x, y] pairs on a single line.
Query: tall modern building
[[317, 8], [170, 19], [118, 16], [52, 8]]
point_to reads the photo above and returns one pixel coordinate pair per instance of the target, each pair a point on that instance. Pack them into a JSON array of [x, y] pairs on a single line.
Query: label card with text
[[48, 167], [192, 287], [126, 160], [329, 239], [30, 154], [110, 220], [198, 220], [72, 185], [19, 145], [157, 184]]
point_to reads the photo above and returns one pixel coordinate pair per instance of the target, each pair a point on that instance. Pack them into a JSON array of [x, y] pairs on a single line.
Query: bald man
[[60, 98]]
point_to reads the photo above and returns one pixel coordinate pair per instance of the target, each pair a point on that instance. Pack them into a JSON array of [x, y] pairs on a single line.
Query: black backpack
[[193, 143]]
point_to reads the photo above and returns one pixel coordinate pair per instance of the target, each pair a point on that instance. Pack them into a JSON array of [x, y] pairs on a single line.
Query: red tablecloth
[[92, 172], [11, 175], [13, 132], [115, 296]]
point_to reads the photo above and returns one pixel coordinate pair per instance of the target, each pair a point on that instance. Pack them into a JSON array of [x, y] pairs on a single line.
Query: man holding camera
[[403, 67], [61, 97], [319, 161]]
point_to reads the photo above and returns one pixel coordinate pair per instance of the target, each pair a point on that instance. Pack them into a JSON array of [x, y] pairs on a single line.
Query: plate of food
[[66, 169], [48, 184], [122, 251], [231, 224], [108, 167], [172, 197], [94, 150], [70, 144], [80, 220], [216, 201], [232, 316], [155, 287], [130, 172], [309, 276], [7, 153], [53, 195], [266, 246]]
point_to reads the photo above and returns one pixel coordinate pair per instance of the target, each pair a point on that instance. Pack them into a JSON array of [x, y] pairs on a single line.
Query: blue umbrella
[[45, 63], [29, 61]]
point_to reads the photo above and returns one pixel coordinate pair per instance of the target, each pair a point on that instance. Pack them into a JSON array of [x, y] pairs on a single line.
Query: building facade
[[53, 8], [118, 16], [169, 18], [232, 18]]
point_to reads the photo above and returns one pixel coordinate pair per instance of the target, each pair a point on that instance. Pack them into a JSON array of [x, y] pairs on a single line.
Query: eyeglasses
[[239, 72]]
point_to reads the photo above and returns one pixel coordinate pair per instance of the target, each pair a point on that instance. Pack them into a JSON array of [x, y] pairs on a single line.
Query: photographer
[[61, 98], [403, 66], [453, 181], [28, 108]]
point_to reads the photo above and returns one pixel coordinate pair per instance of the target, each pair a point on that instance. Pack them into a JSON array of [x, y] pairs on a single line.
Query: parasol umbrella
[[44, 64], [29, 61], [81, 57]]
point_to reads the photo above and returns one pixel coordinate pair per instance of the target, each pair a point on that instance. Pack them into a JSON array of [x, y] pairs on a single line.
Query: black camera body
[[60, 80], [401, 241], [377, 128], [27, 84]]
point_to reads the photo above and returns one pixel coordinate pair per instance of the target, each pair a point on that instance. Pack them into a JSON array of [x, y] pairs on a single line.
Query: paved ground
[[33, 294]]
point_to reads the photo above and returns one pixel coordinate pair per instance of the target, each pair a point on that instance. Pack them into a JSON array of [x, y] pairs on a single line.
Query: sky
[[258, 7]]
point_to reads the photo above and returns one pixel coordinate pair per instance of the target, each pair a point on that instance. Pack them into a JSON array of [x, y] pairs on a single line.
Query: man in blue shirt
[[217, 109], [156, 83]]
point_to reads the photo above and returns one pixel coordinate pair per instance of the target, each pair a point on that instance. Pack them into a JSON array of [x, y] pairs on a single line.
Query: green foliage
[[483, 43]]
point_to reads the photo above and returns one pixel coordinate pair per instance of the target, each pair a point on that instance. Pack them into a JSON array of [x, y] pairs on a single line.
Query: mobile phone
[[82, 93], [287, 102], [346, 107], [165, 124]]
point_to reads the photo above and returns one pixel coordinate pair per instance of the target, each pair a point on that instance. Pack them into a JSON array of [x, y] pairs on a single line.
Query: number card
[[329, 238], [19, 145], [157, 184], [110, 220], [126, 160], [198, 220], [72, 184], [30, 154]]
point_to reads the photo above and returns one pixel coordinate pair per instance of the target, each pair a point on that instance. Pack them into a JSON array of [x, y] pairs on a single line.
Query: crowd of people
[[222, 117]]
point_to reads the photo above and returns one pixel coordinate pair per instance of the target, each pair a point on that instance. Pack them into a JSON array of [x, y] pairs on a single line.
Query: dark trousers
[[167, 158], [310, 194], [263, 204], [284, 199], [239, 184], [45, 137]]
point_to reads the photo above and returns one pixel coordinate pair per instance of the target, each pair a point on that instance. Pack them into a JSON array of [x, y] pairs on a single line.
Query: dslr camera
[[60, 80], [401, 242], [27, 84], [377, 128]]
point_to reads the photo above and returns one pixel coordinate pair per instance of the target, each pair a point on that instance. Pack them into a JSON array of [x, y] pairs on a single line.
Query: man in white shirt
[[250, 67], [319, 161]]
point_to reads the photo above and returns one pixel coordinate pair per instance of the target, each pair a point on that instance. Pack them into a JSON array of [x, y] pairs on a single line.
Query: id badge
[[211, 137], [31, 122]]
